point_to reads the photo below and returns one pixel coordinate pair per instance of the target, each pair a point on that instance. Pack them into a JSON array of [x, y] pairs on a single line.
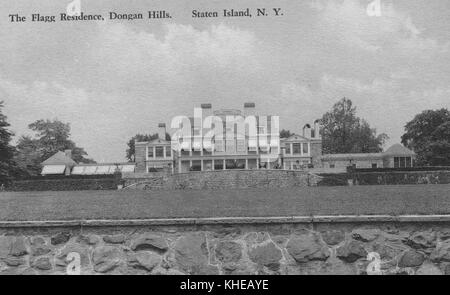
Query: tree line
[[24, 159], [427, 134]]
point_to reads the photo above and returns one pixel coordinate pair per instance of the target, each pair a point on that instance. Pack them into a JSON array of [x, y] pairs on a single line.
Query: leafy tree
[[285, 134], [50, 137], [344, 132], [130, 153], [428, 134], [6, 149]]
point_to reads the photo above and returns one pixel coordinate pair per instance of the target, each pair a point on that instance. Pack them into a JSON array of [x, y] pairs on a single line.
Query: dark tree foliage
[[7, 151], [343, 132], [428, 135], [50, 137], [285, 133]]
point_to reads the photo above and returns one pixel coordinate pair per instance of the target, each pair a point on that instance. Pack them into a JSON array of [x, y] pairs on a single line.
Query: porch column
[[212, 161], [224, 163], [246, 164], [201, 165]]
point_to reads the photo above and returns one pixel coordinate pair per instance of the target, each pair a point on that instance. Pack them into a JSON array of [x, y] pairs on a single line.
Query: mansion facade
[[262, 150], [257, 147]]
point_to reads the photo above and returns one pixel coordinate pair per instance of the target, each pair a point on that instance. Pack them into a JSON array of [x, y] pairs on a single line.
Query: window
[[332, 166], [305, 148], [218, 165], [296, 148], [408, 162], [396, 162], [218, 146], [168, 152], [288, 149], [159, 151], [155, 169], [374, 165], [402, 162], [241, 145], [150, 152], [196, 165], [185, 152], [261, 130]]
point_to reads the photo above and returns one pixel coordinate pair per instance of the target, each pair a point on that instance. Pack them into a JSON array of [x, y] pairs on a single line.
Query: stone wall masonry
[[281, 248], [221, 180], [399, 177]]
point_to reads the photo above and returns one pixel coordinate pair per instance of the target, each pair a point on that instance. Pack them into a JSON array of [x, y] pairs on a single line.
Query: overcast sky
[[114, 79]]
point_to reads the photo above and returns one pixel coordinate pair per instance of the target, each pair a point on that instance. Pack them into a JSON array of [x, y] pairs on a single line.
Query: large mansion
[[261, 150], [256, 145]]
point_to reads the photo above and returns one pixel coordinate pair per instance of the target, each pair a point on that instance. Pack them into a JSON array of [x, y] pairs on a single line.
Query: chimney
[[206, 110], [162, 131], [316, 129], [307, 134], [249, 109], [68, 153]]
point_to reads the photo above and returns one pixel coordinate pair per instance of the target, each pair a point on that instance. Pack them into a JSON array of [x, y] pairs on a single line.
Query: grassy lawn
[[396, 200]]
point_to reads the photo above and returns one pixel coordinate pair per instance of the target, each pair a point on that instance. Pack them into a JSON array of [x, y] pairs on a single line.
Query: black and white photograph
[[221, 139]]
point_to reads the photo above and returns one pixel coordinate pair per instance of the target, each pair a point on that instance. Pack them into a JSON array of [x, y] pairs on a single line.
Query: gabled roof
[[399, 150], [295, 137], [60, 158], [159, 141]]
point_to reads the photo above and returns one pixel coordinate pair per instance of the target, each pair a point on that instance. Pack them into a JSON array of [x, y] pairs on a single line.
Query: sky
[[113, 79]]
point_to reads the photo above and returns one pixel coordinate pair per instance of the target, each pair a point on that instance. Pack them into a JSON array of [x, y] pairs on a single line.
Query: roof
[[159, 141], [107, 164], [399, 150], [154, 141], [295, 137], [60, 158], [357, 156]]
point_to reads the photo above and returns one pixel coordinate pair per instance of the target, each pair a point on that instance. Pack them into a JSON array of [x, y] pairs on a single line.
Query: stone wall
[[225, 179], [287, 248], [399, 177]]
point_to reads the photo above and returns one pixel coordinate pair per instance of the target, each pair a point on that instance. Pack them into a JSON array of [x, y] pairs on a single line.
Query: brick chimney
[[249, 109], [162, 131], [68, 153], [206, 109]]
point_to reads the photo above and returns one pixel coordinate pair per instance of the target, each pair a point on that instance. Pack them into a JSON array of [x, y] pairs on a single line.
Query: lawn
[[130, 204]]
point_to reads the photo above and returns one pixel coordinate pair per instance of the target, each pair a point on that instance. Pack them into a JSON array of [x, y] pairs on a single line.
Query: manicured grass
[[130, 204]]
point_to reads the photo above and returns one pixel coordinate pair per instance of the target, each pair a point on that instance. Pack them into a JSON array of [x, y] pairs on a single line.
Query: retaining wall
[[401, 177], [263, 246], [222, 180]]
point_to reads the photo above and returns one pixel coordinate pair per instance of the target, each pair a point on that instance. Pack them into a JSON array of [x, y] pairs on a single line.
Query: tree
[[344, 132], [6, 149], [428, 135], [50, 137], [130, 153], [285, 134]]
